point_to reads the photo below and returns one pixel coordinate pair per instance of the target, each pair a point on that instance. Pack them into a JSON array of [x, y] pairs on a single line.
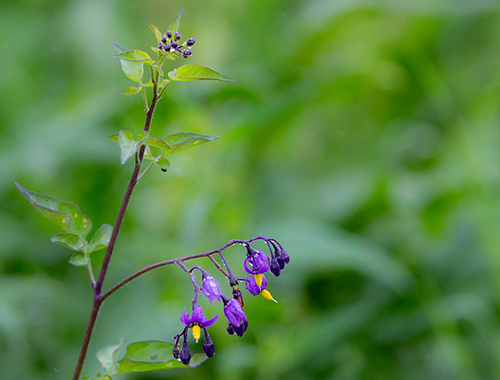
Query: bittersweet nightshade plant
[[151, 151]]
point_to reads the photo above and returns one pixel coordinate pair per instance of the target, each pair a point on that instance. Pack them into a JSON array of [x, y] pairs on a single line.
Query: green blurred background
[[363, 135]]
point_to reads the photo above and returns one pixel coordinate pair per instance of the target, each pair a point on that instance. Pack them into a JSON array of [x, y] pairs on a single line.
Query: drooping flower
[[197, 322], [211, 288], [235, 315], [253, 287], [256, 262]]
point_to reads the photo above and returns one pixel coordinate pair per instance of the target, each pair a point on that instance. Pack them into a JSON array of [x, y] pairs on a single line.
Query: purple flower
[[258, 260], [197, 322], [190, 41], [211, 288], [253, 287], [234, 313]]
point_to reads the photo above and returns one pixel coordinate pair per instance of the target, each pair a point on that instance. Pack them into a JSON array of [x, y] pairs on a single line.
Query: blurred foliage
[[364, 135]]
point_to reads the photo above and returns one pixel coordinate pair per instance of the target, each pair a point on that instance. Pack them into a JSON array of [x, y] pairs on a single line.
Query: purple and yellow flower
[[197, 321], [256, 263], [254, 288]]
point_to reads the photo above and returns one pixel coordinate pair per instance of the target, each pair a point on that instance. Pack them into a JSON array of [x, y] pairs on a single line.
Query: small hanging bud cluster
[[170, 43], [256, 264]]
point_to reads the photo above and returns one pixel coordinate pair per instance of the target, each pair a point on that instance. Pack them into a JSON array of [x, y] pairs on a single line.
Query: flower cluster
[[170, 43], [256, 264]]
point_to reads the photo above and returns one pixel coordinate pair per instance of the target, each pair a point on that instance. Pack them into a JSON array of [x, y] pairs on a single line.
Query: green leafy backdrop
[[364, 135]]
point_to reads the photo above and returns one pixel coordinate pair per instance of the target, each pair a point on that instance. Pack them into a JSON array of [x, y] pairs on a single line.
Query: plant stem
[[111, 246]]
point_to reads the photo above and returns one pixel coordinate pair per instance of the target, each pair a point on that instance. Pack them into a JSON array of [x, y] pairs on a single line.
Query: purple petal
[[210, 322], [234, 313], [185, 318], [259, 263], [198, 315]]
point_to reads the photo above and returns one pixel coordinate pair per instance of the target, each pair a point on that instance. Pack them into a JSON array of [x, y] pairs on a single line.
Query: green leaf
[[184, 140], [163, 163], [156, 32], [176, 24], [113, 137], [158, 143], [121, 49], [79, 259], [69, 240], [133, 70], [197, 72], [152, 355], [128, 145], [66, 215], [132, 90], [107, 357], [100, 239], [141, 136], [135, 56]]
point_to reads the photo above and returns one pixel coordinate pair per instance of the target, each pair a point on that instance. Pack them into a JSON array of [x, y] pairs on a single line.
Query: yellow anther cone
[[196, 332], [258, 279], [267, 295]]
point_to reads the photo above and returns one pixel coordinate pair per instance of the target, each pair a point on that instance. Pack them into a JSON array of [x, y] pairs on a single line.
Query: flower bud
[[190, 42], [230, 329], [185, 355], [173, 44], [167, 47], [175, 351], [187, 52], [208, 346], [240, 330], [168, 34], [177, 36], [275, 267], [164, 40]]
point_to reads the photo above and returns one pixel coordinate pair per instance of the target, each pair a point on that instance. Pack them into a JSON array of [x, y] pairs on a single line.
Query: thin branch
[[219, 267], [193, 280], [176, 261]]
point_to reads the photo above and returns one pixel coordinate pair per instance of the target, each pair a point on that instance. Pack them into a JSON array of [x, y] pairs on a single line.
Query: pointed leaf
[[128, 146], [100, 239], [197, 72], [184, 140], [79, 259], [176, 24], [66, 215], [158, 143], [135, 56], [131, 90], [156, 32], [121, 49], [163, 163], [113, 137], [152, 355], [107, 357], [69, 240]]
